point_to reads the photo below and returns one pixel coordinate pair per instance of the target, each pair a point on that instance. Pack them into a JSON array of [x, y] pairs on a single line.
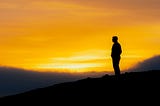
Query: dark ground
[[133, 88]]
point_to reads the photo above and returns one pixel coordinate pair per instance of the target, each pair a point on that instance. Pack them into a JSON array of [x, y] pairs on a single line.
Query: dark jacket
[[116, 50]]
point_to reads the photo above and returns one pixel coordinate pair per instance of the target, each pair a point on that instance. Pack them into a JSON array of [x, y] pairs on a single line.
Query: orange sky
[[75, 35]]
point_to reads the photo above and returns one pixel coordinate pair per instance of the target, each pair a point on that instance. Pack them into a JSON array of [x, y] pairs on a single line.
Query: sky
[[76, 35]]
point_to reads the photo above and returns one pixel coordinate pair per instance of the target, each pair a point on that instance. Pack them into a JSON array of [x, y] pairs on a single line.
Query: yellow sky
[[75, 35]]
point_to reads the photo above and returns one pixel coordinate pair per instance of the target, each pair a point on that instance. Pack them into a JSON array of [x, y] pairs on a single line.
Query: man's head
[[114, 39]]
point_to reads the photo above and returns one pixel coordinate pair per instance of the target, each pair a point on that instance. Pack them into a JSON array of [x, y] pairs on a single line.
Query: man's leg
[[116, 66]]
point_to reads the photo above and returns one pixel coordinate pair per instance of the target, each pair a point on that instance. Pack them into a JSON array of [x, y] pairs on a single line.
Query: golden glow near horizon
[[75, 35]]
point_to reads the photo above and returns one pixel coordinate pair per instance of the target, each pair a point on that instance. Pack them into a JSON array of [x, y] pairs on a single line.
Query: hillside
[[131, 87]]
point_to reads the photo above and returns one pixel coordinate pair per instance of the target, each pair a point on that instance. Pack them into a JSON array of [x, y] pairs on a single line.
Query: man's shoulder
[[118, 44]]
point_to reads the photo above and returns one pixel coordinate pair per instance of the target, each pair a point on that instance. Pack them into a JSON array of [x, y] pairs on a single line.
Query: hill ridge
[[107, 87]]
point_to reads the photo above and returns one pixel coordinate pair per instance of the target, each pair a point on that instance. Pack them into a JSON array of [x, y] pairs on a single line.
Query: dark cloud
[[152, 63], [14, 80]]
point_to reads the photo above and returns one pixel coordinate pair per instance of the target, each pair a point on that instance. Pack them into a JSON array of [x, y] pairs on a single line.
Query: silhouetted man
[[116, 52]]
